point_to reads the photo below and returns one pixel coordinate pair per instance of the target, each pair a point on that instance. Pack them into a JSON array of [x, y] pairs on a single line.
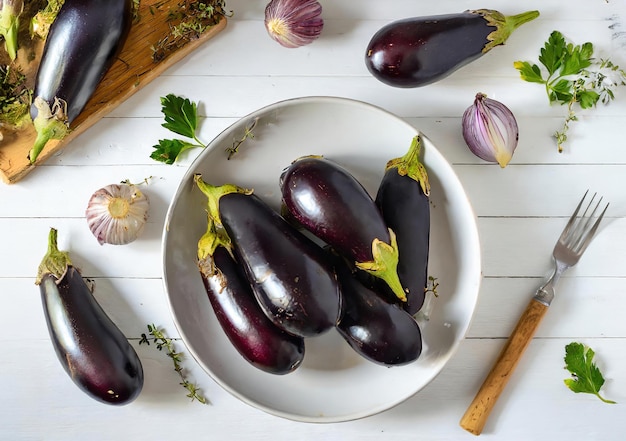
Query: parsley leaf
[[586, 377], [168, 150], [180, 115], [574, 77]]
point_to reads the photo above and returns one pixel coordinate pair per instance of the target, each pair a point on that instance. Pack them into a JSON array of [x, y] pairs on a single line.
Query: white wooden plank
[[583, 307], [162, 411], [522, 247]]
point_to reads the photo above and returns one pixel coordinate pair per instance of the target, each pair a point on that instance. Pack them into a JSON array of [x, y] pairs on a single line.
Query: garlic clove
[[116, 214], [294, 23], [490, 130]]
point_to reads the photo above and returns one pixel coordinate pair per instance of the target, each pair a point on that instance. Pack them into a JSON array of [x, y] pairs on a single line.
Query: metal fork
[[570, 246]]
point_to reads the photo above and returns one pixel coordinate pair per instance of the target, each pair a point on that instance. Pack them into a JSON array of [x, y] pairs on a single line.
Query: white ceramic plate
[[333, 383]]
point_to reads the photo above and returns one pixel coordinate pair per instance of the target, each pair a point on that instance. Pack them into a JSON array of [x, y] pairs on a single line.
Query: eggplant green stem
[[214, 193], [55, 262], [385, 264], [505, 25], [50, 123], [212, 239], [10, 24], [410, 165]]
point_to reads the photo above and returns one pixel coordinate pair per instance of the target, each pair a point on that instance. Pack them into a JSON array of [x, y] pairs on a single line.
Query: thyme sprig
[[161, 342]]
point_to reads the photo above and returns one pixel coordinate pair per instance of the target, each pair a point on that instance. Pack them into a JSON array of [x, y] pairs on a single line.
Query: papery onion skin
[[490, 130], [294, 23], [116, 214]]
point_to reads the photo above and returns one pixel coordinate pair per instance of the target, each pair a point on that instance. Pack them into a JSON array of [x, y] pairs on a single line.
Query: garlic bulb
[[294, 23], [117, 213], [490, 130]]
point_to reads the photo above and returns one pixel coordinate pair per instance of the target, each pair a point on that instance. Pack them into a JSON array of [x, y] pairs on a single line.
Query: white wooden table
[[520, 211]]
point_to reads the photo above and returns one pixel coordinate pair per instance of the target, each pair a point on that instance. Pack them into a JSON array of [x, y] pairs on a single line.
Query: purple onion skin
[[255, 337], [381, 332], [293, 282], [406, 210], [331, 203], [294, 23], [92, 350]]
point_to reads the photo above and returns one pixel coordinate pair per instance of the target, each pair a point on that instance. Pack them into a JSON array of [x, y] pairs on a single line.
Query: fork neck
[[545, 293]]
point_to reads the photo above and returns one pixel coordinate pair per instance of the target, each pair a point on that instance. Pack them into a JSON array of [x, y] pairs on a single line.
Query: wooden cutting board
[[134, 69]]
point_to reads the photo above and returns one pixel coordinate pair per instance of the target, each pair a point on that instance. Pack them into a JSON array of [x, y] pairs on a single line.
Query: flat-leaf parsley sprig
[[572, 76], [181, 117], [161, 342], [586, 377]]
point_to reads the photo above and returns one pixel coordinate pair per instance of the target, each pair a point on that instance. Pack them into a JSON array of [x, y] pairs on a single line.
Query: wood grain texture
[[133, 70], [480, 408]]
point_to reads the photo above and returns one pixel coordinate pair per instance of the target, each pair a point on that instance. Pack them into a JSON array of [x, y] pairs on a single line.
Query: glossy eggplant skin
[[332, 204], [417, 51], [382, 332], [406, 210], [84, 41], [91, 348], [255, 337], [291, 278]]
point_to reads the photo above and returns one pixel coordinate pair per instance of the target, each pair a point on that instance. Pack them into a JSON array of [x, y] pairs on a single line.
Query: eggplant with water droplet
[[381, 332], [91, 348], [332, 204], [83, 42], [292, 281], [253, 335], [403, 199], [418, 51]]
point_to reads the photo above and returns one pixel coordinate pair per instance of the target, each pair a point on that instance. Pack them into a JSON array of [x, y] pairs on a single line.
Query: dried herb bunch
[[14, 96], [188, 20]]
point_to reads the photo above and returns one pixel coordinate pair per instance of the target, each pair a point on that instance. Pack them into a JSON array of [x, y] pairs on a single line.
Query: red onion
[[294, 23], [490, 130]]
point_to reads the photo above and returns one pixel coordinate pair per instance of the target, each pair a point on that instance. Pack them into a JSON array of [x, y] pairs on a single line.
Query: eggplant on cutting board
[[83, 42]]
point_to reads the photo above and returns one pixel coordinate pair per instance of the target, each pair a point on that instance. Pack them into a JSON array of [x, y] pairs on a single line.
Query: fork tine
[[584, 221], [565, 234], [586, 239]]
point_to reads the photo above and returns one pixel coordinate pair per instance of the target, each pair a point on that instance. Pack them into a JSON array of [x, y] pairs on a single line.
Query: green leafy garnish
[[181, 117], [571, 76], [587, 378], [162, 342]]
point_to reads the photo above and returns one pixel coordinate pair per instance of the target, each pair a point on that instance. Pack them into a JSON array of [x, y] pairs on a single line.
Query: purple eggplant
[[403, 199], [83, 42], [332, 204], [418, 51], [255, 337], [381, 332], [91, 348], [292, 281]]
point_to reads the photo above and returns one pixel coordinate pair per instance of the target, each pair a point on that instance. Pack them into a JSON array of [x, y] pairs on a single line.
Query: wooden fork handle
[[478, 411]]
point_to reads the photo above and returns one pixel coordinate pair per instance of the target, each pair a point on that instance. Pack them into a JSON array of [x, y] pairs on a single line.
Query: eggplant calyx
[[411, 166], [505, 25], [55, 262], [385, 264], [212, 239], [50, 123], [214, 193]]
